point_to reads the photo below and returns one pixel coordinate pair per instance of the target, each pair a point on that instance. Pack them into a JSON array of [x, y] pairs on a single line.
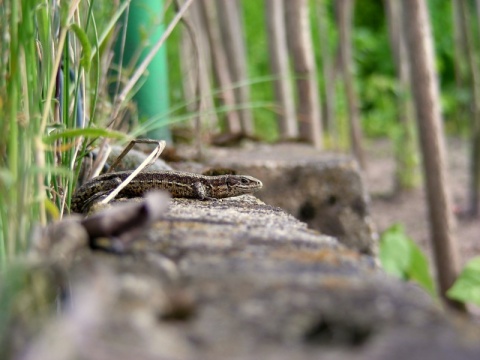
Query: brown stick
[[429, 120], [301, 50], [279, 67]]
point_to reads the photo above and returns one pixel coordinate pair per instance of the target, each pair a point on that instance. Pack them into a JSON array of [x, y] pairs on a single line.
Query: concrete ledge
[[238, 279], [324, 190]]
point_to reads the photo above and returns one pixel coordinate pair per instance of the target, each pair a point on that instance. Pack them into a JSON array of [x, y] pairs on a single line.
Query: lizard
[[179, 184]]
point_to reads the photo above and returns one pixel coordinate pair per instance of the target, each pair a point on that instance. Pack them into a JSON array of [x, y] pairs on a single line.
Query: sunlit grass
[[50, 75]]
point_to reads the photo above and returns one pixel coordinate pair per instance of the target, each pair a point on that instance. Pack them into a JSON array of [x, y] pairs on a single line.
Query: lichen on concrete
[[239, 279]]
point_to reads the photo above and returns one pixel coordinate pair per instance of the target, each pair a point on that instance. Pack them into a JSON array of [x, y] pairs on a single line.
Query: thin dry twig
[[102, 157]]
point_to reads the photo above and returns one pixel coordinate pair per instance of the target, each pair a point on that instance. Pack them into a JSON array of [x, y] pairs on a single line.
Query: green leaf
[[87, 132], [394, 252], [401, 257], [87, 48], [467, 286], [419, 270]]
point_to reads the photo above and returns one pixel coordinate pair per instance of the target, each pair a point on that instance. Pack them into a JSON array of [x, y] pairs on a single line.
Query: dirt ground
[[409, 209]]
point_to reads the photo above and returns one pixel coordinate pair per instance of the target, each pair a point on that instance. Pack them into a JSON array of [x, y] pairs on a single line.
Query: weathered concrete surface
[[324, 190], [238, 279]]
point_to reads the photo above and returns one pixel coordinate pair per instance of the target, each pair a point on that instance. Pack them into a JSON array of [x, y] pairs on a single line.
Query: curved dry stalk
[[150, 158]]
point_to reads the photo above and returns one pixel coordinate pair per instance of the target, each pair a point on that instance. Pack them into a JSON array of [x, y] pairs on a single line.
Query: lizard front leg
[[200, 191]]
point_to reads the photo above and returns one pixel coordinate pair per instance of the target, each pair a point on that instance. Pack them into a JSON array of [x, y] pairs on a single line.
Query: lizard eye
[[244, 181]]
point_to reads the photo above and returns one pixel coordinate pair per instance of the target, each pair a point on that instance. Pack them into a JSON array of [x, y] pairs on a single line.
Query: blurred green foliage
[[375, 72], [401, 257], [467, 286]]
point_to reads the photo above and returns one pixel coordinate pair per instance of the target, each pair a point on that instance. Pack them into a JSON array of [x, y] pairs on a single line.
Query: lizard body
[[178, 184]]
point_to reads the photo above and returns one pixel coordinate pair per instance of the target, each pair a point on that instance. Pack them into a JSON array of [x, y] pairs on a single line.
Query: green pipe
[[145, 21]]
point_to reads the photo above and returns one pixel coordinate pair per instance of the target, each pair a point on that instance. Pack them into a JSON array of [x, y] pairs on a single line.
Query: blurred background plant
[[402, 257], [375, 69]]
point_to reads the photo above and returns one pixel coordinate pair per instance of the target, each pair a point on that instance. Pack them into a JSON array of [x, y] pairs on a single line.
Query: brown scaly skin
[[178, 184]]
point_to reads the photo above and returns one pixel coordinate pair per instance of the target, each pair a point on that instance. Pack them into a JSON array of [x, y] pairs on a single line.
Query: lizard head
[[242, 184]]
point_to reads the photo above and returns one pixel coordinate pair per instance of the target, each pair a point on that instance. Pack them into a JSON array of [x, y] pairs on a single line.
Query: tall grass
[[50, 75], [54, 107], [20, 114]]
